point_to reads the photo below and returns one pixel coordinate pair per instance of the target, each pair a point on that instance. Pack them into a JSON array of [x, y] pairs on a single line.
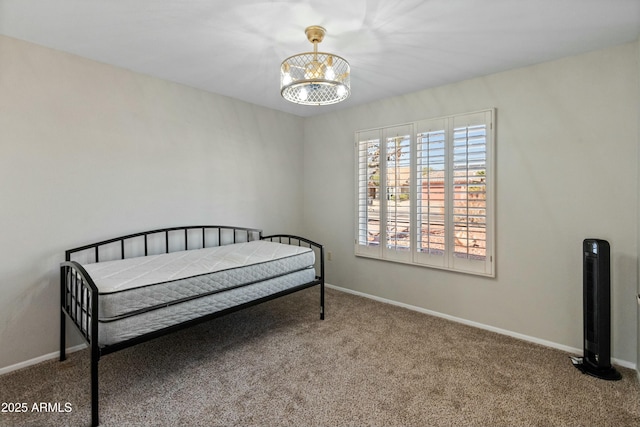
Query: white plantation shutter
[[431, 203], [368, 193], [425, 193], [470, 168], [396, 194]]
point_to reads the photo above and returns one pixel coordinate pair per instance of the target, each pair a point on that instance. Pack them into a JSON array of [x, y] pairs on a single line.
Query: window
[[425, 193]]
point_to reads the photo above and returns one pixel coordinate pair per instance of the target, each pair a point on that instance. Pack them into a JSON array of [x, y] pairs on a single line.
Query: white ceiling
[[235, 47]]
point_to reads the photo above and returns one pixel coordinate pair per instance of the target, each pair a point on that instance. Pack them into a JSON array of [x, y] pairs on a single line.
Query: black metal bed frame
[[79, 294]]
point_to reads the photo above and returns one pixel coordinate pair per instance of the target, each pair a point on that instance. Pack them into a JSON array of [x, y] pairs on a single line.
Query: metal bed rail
[[174, 236]]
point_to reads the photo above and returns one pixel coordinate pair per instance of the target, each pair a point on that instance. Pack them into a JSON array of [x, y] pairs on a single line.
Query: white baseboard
[[545, 343], [35, 360]]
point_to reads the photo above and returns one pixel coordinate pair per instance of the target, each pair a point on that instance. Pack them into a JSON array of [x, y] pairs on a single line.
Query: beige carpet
[[367, 364]]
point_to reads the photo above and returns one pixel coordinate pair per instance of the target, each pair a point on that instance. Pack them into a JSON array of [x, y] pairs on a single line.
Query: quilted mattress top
[[121, 275]]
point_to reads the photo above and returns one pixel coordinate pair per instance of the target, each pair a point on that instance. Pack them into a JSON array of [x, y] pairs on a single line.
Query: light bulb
[[303, 94], [341, 91], [330, 74], [286, 74]]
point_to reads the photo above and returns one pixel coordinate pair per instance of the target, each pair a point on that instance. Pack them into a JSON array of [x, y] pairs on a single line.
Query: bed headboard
[[163, 240]]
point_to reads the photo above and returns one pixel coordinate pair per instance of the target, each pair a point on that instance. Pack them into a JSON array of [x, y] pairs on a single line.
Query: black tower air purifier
[[597, 311]]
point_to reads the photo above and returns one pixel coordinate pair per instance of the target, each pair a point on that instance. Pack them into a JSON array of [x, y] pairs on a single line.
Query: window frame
[[450, 258]]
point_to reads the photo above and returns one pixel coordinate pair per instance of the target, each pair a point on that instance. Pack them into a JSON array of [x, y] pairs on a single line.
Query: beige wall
[[89, 151], [567, 169]]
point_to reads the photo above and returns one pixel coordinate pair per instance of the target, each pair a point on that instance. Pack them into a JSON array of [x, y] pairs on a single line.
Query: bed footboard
[[79, 302], [316, 247]]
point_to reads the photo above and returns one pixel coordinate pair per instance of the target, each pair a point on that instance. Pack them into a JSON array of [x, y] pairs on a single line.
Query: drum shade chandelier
[[315, 78]]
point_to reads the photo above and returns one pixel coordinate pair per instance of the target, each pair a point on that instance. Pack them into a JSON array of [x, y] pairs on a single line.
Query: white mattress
[[132, 286], [130, 327]]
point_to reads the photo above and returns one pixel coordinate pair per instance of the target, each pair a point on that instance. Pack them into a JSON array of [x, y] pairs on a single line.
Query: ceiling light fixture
[[315, 78]]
